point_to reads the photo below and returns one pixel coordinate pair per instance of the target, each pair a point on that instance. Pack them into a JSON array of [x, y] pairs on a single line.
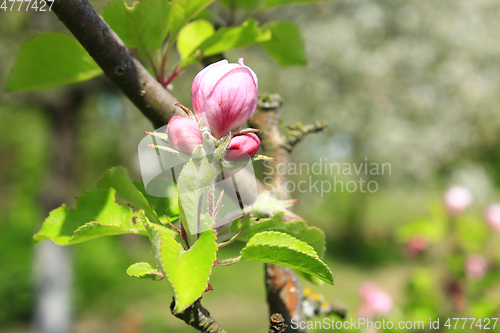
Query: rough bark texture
[[114, 58], [284, 293], [198, 317]]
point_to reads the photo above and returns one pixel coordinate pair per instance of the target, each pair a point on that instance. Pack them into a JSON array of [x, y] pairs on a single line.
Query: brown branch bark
[[284, 293], [114, 58], [198, 317]]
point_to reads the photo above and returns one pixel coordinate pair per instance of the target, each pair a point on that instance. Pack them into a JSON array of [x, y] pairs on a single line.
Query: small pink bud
[[415, 246], [375, 300], [457, 199], [227, 95], [492, 216], [242, 147], [475, 266], [184, 134]]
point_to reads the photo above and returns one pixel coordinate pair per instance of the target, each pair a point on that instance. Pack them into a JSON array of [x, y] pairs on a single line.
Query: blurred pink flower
[[492, 216], [457, 199], [242, 147], [416, 245], [475, 266], [184, 134], [375, 301], [226, 94]]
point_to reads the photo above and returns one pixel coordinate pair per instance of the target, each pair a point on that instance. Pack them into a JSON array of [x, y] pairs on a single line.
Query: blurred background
[[413, 84]]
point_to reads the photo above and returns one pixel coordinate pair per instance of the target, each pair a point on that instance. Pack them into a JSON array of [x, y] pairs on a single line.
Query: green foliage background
[[414, 84]]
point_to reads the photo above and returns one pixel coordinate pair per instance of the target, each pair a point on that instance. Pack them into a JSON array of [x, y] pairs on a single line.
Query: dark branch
[[277, 324], [114, 58], [198, 317]]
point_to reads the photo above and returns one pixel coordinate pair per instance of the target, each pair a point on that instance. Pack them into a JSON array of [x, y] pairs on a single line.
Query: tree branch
[[198, 317], [284, 293], [114, 58]]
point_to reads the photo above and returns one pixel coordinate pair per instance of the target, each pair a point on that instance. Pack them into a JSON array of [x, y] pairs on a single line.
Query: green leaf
[[49, 60], [163, 206], [97, 214], [286, 46], [143, 26], [143, 270], [184, 11], [274, 3], [191, 184], [313, 236], [117, 178], [192, 35], [282, 249], [187, 271], [228, 38]]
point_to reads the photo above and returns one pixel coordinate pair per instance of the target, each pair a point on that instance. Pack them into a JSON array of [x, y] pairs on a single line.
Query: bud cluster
[[223, 96]]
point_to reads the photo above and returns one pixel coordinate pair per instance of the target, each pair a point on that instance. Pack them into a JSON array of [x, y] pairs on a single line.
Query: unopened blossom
[[416, 245], [242, 147], [184, 134], [226, 95], [475, 266], [457, 199], [492, 216], [375, 301]]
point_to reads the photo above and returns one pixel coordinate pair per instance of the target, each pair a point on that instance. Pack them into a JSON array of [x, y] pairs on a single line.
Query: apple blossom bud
[[184, 134], [415, 246], [475, 266], [457, 199], [242, 147], [492, 216], [375, 300], [226, 94]]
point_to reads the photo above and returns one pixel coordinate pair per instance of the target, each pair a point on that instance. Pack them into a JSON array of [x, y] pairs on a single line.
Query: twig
[[198, 317], [296, 132], [114, 58], [284, 293], [277, 324]]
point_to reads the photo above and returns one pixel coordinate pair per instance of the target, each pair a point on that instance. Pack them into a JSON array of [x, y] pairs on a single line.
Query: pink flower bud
[[492, 216], [184, 134], [227, 95], [457, 199], [475, 266], [242, 147], [415, 246], [375, 300]]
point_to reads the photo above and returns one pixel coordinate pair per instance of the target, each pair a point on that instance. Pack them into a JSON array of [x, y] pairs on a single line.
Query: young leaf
[[187, 271], [192, 35], [49, 60], [191, 184], [117, 178], [143, 26], [166, 205], [286, 46], [143, 270], [184, 11], [96, 214], [282, 249], [313, 236], [228, 38]]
